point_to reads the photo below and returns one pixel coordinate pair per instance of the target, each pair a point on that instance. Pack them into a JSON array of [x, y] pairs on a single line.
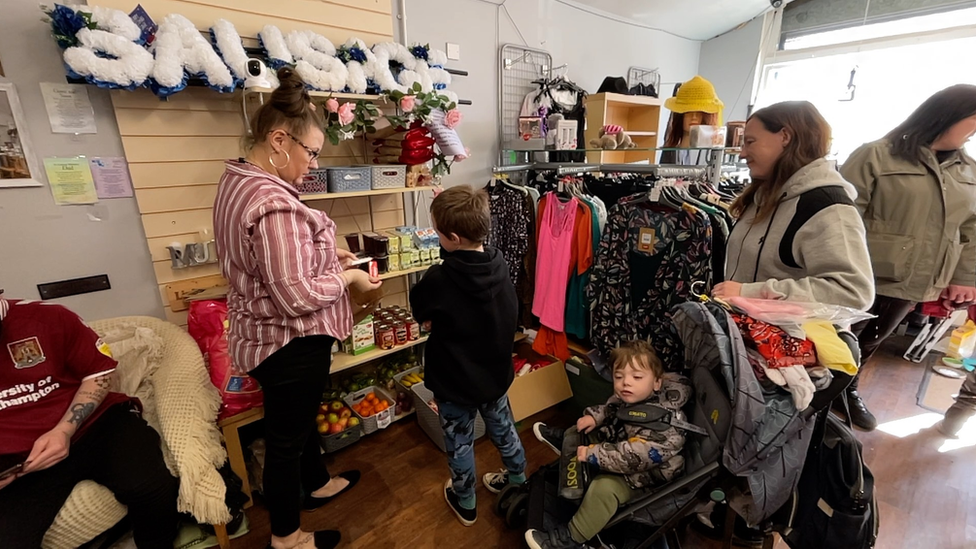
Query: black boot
[[861, 417], [955, 418]]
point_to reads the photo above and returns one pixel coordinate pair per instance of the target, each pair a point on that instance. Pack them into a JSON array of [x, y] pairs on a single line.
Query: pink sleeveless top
[[552, 262]]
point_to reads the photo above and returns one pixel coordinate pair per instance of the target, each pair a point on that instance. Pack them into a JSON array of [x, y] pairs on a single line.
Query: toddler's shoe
[[496, 482], [553, 438], [560, 538], [467, 517]]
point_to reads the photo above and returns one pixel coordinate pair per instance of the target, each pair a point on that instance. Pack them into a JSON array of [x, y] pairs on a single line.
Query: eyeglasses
[[312, 154]]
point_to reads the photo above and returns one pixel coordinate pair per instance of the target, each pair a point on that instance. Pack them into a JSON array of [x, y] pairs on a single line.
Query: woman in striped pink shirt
[[288, 301]]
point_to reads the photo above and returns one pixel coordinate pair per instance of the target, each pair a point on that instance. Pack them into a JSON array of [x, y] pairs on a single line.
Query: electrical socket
[[454, 51]]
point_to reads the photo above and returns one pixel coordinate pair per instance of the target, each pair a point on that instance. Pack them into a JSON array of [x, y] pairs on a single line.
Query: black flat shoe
[[324, 539], [312, 503]]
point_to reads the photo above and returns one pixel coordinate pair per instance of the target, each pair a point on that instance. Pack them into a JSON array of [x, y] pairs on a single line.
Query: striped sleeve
[[283, 244]]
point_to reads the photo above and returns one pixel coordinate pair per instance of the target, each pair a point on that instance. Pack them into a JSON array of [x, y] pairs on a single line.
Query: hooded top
[[471, 303], [812, 248]]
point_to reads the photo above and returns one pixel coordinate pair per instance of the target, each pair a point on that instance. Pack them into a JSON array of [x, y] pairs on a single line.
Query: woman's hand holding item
[[725, 290], [955, 296], [360, 280], [345, 258], [585, 424]]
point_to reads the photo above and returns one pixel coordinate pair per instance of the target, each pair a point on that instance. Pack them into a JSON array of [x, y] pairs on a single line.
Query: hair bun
[[291, 97]]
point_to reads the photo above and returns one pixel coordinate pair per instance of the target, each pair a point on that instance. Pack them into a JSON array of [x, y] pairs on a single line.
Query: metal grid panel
[[518, 66], [648, 77]]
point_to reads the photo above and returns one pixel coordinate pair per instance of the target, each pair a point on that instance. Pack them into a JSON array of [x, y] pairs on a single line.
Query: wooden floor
[[927, 497]]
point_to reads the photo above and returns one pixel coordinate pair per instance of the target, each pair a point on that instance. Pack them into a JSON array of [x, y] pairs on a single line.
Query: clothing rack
[[569, 168]]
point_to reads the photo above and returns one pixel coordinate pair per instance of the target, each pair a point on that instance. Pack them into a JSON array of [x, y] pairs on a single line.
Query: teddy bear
[[612, 137]]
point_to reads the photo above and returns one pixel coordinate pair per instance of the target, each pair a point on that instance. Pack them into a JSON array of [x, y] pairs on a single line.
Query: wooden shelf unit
[[345, 361], [638, 115], [375, 192]]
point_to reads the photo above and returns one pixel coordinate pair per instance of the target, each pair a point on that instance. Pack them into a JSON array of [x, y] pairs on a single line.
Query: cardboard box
[[363, 338], [538, 390]]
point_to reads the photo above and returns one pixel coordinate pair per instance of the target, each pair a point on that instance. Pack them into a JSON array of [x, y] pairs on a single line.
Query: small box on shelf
[[539, 389]]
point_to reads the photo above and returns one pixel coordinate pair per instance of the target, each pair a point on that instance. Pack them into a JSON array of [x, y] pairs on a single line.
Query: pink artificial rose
[[453, 118], [407, 103], [332, 105], [346, 115]]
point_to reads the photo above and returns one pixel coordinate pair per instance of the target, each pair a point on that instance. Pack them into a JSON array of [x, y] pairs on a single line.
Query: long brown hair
[[289, 107], [676, 127], [931, 119], [809, 140]]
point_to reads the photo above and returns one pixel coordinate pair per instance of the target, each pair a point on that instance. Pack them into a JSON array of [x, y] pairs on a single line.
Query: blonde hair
[[639, 354]]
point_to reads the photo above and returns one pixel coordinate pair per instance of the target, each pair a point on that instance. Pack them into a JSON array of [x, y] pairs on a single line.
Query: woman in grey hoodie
[[799, 236]]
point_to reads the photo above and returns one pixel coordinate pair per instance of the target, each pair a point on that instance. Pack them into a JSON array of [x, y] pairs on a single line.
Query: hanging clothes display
[[649, 256], [553, 254], [511, 218], [558, 96]]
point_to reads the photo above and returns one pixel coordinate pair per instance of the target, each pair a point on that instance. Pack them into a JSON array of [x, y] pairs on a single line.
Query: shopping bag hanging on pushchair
[[574, 477]]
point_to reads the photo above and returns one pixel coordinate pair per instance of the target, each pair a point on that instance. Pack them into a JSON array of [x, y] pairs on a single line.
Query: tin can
[[401, 332], [386, 336], [413, 329]]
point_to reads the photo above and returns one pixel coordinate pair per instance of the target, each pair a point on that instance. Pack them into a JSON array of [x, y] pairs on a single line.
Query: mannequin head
[[286, 132], [695, 103], [944, 122], [680, 124]]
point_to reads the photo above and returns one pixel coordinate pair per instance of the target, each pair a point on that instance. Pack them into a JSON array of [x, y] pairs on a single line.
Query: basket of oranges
[[373, 406]]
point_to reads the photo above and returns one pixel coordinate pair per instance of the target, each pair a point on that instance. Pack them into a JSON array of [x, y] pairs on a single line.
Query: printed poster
[[111, 176], [71, 180]]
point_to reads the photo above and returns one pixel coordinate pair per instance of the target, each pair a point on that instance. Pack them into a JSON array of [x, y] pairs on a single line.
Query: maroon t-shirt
[[46, 351]]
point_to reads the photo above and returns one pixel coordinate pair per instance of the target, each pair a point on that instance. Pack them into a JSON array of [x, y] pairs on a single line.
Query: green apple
[[332, 418]]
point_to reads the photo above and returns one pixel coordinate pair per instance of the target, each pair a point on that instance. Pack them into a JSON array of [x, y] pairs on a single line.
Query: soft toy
[[612, 137]]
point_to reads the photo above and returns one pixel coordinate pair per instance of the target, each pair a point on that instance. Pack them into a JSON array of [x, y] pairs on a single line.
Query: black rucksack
[[834, 505]]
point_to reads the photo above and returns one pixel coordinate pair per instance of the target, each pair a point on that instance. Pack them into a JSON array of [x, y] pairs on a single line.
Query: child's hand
[[581, 453], [585, 424]]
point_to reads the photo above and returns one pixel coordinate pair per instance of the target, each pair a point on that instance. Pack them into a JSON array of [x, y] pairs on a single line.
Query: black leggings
[[890, 312], [119, 451], [293, 379]]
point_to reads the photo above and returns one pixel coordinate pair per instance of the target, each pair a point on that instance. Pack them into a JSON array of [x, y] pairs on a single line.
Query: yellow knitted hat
[[696, 95]]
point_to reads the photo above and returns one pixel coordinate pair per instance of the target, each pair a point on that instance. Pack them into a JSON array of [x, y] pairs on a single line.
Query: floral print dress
[[649, 257]]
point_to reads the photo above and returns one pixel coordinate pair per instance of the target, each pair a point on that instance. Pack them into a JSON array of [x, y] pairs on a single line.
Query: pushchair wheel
[[505, 499], [518, 512]]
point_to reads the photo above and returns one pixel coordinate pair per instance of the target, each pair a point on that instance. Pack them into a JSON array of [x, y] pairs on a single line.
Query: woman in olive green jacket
[[917, 195]]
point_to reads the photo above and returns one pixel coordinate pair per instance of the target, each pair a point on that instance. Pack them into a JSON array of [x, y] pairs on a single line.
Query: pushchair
[[751, 455]]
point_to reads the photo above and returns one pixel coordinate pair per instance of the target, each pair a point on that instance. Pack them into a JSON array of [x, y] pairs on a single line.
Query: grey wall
[[592, 46], [729, 62], [41, 242]]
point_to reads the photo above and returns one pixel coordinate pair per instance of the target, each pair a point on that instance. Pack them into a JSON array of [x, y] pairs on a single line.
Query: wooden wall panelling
[[368, 20], [176, 148]]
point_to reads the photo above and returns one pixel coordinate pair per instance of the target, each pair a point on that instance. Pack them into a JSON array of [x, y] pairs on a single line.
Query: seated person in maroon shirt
[[60, 423]]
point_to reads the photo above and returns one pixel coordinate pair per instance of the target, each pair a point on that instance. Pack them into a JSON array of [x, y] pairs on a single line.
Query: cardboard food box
[[363, 339], [538, 390]]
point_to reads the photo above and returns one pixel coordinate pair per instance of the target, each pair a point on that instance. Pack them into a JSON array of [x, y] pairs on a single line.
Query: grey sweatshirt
[[812, 248]]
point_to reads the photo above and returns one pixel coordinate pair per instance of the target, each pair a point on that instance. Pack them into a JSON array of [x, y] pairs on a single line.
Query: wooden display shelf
[[345, 361], [641, 114], [327, 95], [640, 134], [405, 272], [375, 192]]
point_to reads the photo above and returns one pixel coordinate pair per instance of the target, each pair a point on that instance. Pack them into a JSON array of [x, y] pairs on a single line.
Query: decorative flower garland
[[273, 42], [228, 44], [385, 53], [317, 64], [361, 62], [182, 51]]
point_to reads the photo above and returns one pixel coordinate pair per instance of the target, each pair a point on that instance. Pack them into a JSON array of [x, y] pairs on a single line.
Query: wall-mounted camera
[[257, 75], [776, 3]]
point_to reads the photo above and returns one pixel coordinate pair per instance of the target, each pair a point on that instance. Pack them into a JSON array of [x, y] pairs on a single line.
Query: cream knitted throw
[[161, 364]]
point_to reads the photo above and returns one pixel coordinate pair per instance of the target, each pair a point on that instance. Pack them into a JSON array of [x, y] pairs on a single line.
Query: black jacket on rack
[[471, 304]]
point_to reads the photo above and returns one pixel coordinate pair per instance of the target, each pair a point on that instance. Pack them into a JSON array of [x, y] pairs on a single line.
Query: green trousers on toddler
[[603, 497]]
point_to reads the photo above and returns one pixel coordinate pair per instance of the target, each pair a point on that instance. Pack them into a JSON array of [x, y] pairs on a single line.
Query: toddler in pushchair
[[740, 445]]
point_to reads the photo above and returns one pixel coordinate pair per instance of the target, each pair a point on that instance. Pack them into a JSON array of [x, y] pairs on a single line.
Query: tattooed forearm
[[105, 382], [80, 412]]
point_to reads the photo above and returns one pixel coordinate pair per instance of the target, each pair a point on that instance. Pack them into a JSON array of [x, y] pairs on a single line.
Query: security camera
[[776, 3], [257, 75]]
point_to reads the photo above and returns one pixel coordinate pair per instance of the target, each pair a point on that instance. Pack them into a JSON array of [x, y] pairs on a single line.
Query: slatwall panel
[[176, 148]]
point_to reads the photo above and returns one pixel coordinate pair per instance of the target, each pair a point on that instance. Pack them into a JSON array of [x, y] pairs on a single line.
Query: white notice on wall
[[111, 175], [68, 108], [447, 139]]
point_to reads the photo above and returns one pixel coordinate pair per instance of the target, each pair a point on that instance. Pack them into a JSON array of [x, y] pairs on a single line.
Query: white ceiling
[[695, 19]]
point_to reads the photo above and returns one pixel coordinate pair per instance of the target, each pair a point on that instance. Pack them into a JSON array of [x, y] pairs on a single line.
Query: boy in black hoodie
[[471, 304]]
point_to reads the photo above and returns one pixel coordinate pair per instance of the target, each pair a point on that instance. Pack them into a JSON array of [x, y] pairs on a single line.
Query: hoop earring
[[287, 160]]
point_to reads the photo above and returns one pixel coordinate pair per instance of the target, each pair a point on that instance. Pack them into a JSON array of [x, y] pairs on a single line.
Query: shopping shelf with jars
[[397, 252]]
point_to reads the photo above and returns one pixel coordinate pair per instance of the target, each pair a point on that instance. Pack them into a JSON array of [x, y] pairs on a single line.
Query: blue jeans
[[458, 424]]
